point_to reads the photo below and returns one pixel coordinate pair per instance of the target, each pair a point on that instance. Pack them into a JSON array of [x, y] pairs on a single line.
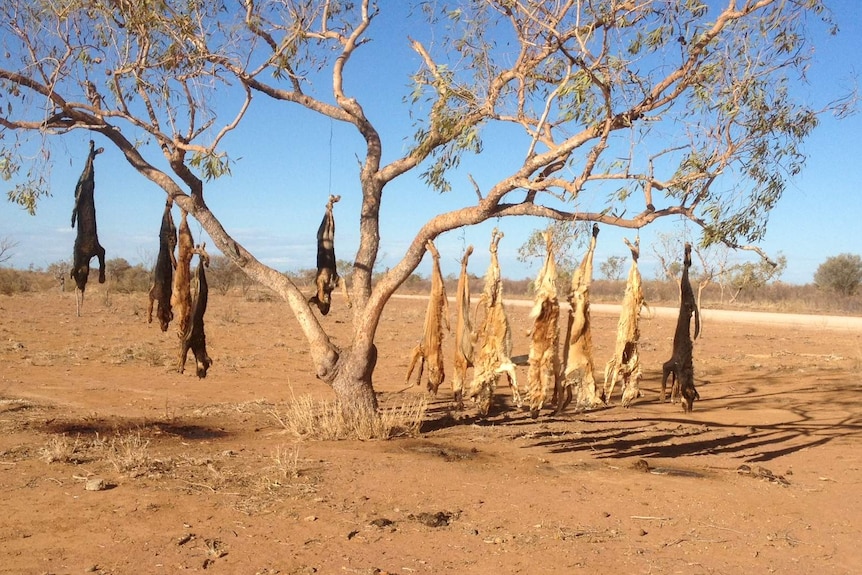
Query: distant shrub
[[841, 274], [14, 281]]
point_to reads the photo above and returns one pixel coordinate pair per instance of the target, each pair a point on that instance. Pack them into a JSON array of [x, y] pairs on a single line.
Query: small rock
[[641, 465], [185, 538], [382, 522], [439, 519], [96, 484]]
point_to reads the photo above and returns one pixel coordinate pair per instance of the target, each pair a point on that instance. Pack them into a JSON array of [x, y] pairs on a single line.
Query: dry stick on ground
[[86, 240], [494, 339], [430, 348], [544, 360], [181, 298], [680, 366], [578, 350], [327, 278], [625, 364], [163, 272], [195, 338], [465, 339]]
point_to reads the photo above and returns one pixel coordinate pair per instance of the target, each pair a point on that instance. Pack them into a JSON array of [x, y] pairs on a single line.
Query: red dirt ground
[[763, 477]]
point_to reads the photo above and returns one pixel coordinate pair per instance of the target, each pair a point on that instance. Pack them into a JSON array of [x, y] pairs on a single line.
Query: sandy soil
[[763, 477]]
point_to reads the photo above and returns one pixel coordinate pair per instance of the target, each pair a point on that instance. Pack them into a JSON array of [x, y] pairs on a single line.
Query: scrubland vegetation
[[225, 278]]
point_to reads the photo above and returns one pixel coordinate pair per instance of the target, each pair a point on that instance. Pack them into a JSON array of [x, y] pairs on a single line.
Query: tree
[[6, 246], [713, 261], [612, 268], [564, 235], [223, 275], [841, 274], [753, 275], [645, 109]]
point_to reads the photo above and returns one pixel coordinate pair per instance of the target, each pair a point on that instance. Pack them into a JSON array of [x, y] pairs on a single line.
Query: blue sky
[[275, 198]]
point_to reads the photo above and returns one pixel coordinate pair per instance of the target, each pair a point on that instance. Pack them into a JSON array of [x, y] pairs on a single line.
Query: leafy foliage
[[841, 274]]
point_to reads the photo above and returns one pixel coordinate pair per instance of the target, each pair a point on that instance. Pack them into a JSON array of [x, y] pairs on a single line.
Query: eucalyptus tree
[[624, 113]]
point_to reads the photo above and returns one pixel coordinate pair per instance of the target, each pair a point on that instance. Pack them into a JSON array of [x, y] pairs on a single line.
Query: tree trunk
[[352, 383]]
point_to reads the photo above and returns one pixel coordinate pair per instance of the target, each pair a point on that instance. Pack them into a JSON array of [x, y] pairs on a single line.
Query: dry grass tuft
[[61, 449], [308, 418], [285, 469], [129, 453]]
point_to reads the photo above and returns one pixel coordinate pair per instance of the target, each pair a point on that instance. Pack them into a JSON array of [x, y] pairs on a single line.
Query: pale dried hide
[[430, 348], [625, 364], [544, 336], [578, 350], [494, 339], [181, 297], [465, 339]]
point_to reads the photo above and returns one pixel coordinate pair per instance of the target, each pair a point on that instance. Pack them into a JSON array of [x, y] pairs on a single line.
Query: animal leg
[[184, 352], [508, 368], [631, 388], [150, 306], [563, 399], [416, 356], [100, 253], [343, 285], [667, 369], [612, 374]]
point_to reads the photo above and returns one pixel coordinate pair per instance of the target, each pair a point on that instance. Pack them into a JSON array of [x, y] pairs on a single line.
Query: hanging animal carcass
[[491, 358], [163, 271], [625, 364], [430, 348], [578, 347], [194, 338], [86, 240], [465, 338], [680, 366], [544, 362], [327, 278]]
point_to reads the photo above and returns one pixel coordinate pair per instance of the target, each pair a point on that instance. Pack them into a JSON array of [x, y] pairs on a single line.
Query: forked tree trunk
[[353, 380]]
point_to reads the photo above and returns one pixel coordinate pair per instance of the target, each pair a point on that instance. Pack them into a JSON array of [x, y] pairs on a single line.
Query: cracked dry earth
[[111, 462]]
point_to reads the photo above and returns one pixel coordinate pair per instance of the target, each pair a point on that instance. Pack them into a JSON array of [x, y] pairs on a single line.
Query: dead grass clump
[[324, 420], [130, 454], [61, 449], [285, 469], [141, 352], [229, 314]]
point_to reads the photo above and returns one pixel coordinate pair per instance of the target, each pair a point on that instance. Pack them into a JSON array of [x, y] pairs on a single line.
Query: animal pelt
[[544, 363], [494, 339], [327, 278], [181, 299], [86, 239], [680, 367], [430, 348], [465, 338], [578, 347], [195, 337], [163, 272], [625, 364]]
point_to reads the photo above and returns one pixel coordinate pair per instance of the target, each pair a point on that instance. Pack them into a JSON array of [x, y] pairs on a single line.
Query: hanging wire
[[330, 156]]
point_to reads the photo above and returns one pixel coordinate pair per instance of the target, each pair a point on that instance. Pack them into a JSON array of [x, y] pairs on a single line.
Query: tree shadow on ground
[[105, 427], [729, 420]]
